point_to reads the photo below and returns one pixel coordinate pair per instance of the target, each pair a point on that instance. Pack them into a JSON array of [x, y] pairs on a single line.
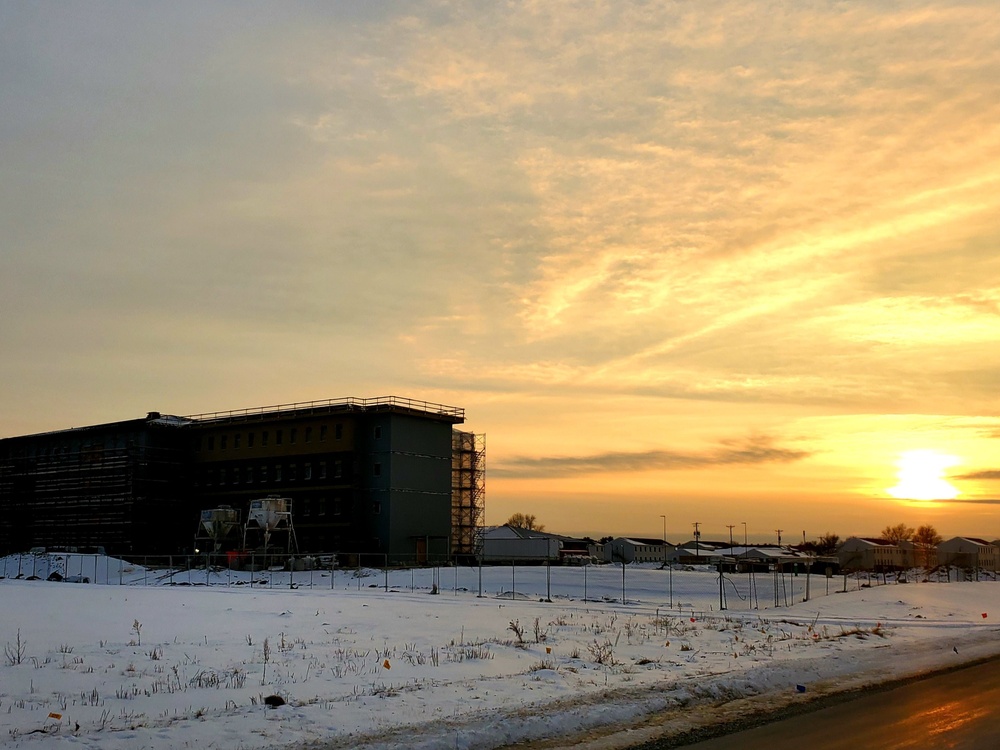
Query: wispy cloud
[[985, 474], [755, 450]]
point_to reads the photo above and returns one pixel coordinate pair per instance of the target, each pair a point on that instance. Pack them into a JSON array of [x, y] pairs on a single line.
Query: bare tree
[[525, 521], [926, 539], [828, 543], [898, 533]]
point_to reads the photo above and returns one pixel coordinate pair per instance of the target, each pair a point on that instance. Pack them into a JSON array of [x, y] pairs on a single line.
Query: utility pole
[[778, 532], [664, 539], [731, 526], [697, 539], [670, 568]]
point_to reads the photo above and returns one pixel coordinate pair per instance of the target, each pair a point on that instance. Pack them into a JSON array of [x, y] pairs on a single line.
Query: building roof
[[395, 404], [974, 540], [875, 542], [638, 540]]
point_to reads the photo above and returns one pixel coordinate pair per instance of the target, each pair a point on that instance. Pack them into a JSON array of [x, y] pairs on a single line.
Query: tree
[[898, 533], [827, 544], [525, 521], [927, 538]]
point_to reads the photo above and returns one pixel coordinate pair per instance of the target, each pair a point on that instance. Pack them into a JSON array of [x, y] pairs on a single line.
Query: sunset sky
[[720, 261]]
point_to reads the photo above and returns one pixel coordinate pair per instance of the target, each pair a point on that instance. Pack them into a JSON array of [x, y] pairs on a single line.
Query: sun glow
[[920, 476]]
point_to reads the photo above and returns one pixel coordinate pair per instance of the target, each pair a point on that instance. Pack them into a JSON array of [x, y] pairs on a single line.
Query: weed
[[540, 634], [517, 630], [602, 653], [14, 653]]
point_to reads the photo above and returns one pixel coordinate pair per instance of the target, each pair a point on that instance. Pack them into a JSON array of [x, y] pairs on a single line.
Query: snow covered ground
[[368, 659]]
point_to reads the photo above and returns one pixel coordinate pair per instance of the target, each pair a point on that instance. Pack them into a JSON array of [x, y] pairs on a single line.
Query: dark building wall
[[122, 486], [372, 476], [408, 485], [310, 459]]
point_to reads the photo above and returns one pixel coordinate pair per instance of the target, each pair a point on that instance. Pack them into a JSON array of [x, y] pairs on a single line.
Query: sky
[[717, 262]]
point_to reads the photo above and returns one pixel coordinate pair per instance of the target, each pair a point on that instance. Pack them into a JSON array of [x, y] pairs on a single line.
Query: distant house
[[866, 553], [771, 557], [969, 553], [634, 549], [513, 544], [694, 553]]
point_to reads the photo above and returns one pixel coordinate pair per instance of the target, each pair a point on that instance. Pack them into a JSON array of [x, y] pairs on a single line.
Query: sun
[[920, 476]]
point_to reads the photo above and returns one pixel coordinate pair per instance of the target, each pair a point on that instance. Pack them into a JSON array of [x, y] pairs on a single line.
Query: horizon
[[708, 261]]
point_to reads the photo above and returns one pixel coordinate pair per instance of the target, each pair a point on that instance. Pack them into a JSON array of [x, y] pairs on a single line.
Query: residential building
[[867, 553], [969, 553], [372, 476], [634, 549]]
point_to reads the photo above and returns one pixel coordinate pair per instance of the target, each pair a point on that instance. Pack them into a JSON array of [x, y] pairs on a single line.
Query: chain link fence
[[678, 587]]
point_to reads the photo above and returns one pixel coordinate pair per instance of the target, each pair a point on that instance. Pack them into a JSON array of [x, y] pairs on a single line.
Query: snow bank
[[108, 666]]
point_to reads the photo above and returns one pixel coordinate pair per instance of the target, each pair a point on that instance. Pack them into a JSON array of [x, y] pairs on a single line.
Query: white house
[[968, 552], [514, 544], [632, 549], [865, 553]]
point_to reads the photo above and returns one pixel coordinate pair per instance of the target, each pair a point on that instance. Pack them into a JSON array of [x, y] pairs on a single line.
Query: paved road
[[959, 710]]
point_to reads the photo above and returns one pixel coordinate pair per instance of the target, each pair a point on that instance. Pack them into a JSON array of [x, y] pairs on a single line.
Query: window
[[210, 477], [277, 472], [263, 473], [309, 434], [307, 472], [292, 434], [236, 475], [222, 441], [322, 469], [337, 506], [250, 436], [293, 471], [322, 507], [249, 479], [306, 507], [278, 437], [222, 476], [376, 508], [236, 440], [263, 439], [322, 433], [338, 469], [338, 430], [376, 470], [378, 431]]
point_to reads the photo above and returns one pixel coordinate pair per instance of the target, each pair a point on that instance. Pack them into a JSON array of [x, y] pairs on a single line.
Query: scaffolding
[[468, 491], [91, 495]]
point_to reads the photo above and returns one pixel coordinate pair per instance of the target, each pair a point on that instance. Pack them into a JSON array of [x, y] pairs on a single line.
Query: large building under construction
[[388, 476]]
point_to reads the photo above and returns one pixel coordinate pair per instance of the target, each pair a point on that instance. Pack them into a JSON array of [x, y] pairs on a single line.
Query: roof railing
[[336, 404]]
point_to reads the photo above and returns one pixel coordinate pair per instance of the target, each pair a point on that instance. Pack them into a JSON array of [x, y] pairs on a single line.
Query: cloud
[[986, 474], [754, 450], [967, 501]]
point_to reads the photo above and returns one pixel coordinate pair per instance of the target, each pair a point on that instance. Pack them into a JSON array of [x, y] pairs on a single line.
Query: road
[[958, 710]]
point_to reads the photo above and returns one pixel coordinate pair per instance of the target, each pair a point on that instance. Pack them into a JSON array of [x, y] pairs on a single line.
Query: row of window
[[276, 473], [336, 507], [208, 441], [321, 506]]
